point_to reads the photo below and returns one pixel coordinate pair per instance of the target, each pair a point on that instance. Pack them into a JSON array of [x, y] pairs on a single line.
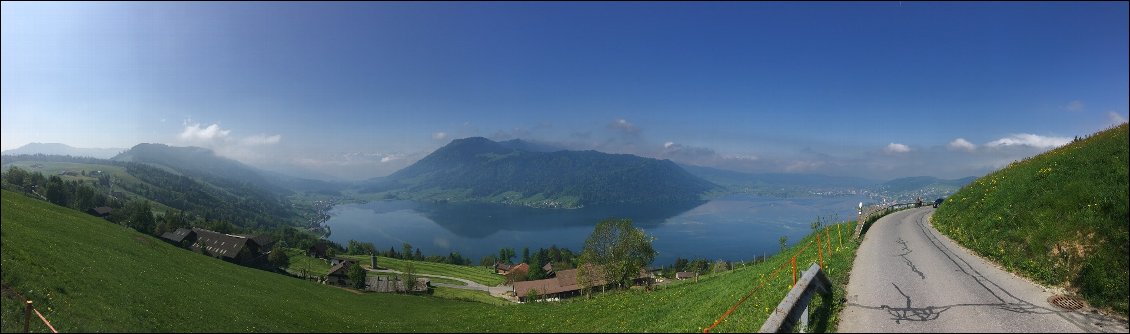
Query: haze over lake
[[734, 228]]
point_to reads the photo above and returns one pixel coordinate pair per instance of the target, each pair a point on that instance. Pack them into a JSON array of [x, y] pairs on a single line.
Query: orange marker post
[[820, 250]]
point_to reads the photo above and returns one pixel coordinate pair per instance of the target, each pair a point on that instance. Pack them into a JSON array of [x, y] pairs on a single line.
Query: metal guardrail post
[[793, 310]]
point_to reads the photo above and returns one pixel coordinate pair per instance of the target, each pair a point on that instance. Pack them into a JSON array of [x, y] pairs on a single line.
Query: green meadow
[[86, 274]]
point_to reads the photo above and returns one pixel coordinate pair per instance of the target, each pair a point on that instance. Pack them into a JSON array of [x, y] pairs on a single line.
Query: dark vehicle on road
[[939, 201]]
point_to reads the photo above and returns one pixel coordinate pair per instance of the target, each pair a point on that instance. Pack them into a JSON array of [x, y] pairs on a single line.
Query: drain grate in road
[[1066, 302]]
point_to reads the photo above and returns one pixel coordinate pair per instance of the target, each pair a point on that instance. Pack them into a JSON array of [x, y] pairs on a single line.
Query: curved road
[[908, 277]]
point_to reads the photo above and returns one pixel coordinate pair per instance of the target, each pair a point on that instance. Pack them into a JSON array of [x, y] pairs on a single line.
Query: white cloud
[[961, 144], [1074, 106], [1115, 118], [668, 144], [894, 148], [747, 157], [390, 157], [626, 127], [220, 140], [257, 140], [195, 133], [803, 166], [439, 135], [1031, 140]]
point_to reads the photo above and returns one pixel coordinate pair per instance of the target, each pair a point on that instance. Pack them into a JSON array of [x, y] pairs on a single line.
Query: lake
[[732, 228]]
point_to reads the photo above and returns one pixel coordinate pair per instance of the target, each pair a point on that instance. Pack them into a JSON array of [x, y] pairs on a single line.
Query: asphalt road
[[908, 277]]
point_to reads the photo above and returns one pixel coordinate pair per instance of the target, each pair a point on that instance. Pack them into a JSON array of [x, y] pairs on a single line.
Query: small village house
[[339, 271], [100, 212]]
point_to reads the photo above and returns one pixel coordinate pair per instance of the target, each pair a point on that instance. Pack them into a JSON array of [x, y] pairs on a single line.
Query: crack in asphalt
[[907, 260]]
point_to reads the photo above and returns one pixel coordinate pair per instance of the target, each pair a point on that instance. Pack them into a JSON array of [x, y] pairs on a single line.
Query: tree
[[409, 277], [531, 295], [419, 255], [56, 192], [278, 257], [506, 255], [619, 250], [407, 254], [783, 241], [698, 265], [140, 217], [360, 248], [554, 254], [15, 176], [356, 276], [681, 264], [488, 260], [720, 266], [526, 254], [536, 272]]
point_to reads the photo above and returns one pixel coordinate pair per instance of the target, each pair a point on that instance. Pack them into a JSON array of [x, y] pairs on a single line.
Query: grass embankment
[[481, 275], [301, 263], [314, 267], [469, 295], [1059, 218], [86, 274]]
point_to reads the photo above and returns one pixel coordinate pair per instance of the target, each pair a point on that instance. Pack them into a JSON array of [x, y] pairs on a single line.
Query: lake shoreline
[[737, 227]]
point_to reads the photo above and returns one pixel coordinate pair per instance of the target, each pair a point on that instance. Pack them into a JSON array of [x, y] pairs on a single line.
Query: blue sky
[[356, 90]]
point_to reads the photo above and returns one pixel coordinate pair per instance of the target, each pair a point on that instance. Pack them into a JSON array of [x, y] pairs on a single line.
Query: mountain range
[[63, 149], [518, 172], [522, 173]]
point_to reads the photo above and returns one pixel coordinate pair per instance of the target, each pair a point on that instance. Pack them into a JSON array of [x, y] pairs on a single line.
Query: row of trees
[[407, 252], [72, 194]]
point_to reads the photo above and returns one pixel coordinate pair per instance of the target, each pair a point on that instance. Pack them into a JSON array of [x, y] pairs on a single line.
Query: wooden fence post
[[794, 270], [27, 316], [840, 233], [828, 239], [819, 250]]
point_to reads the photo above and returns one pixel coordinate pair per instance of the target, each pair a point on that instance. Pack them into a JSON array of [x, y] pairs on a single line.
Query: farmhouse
[[566, 284], [181, 237], [317, 250], [516, 272], [232, 248], [685, 275], [503, 268], [101, 212], [339, 271]]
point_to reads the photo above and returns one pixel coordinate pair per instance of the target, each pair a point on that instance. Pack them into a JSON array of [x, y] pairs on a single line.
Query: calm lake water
[[733, 228]]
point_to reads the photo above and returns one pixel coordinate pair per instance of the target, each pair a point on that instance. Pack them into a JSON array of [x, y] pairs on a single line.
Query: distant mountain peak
[[531, 174], [63, 149]]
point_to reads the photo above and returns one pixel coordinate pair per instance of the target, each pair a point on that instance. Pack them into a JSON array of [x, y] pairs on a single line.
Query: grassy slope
[[118, 173], [481, 275], [299, 261], [1059, 218], [86, 274]]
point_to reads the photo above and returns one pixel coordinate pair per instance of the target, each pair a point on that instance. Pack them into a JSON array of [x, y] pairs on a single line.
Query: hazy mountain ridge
[[63, 149], [530, 174], [199, 162], [785, 184]]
